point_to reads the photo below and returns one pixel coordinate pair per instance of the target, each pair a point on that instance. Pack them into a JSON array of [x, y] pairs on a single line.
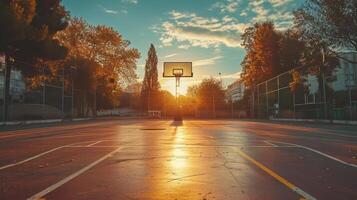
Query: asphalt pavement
[[161, 160]]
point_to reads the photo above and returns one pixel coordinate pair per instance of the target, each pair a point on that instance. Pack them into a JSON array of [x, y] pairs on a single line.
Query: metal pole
[[294, 104], [149, 100], [95, 100], [267, 97], [232, 109], [220, 79], [350, 93], [72, 94], [278, 83], [177, 117], [164, 105], [4, 95], [63, 90], [253, 102], [325, 100], [44, 95], [323, 81], [214, 107]]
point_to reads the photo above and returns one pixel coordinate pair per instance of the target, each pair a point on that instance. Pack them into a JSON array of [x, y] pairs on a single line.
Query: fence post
[[3, 93], [44, 95], [325, 100], [253, 102], [350, 93], [258, 101], [72, 97], [278, 83], [63, 90], [267, 98], [294, 105]]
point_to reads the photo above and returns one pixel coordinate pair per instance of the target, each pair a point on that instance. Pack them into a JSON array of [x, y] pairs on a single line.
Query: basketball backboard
[[177, 69]]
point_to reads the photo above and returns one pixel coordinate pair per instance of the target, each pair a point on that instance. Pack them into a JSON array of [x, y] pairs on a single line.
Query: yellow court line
[[277, 177]]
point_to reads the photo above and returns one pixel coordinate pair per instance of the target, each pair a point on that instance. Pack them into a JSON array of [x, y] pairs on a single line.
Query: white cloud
[[231, 76], [111, 11], [114, 12], [184, 46], [229, 6], [201, 31], [244, 13], [205, 62], [281, 17], [170, 55], [130, 1], [186, 29], [276, 3]]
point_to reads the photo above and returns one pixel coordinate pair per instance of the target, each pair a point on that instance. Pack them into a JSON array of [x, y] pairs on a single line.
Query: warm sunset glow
[[169, 85], [179, 161]]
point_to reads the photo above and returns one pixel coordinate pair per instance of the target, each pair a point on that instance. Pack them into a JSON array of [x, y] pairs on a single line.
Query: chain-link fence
[[318, 96], [53, 99]]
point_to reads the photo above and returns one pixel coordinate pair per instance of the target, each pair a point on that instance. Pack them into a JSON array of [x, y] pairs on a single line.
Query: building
[[344, 78], [17, 84], [235, 91]]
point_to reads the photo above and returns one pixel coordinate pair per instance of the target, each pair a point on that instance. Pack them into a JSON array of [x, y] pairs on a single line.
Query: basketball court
[[158, 159]]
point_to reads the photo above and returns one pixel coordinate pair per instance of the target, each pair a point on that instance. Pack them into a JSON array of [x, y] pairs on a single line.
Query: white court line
[[72, 176], [31, 158], [274, 145], [89, 145], [320, 153], [180, 146], [38, 155]]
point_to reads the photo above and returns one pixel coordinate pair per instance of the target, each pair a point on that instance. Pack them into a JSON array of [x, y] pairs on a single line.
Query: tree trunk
[[7, 87]]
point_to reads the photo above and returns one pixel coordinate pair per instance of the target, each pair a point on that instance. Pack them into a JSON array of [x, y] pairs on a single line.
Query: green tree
[[291, 51], [27, 25], [150, 85]]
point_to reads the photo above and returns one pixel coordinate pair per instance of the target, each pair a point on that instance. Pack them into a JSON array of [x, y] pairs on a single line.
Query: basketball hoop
[[177, 70]]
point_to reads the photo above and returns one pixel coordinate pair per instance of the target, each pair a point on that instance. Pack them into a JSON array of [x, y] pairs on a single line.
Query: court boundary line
[[38, 155], [72, 176], [92, 144], [320, 153], [276, 176]]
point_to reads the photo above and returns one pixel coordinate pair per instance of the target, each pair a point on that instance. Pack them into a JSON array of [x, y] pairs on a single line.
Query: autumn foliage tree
[[207, 95], [261, 43], [270, 52], [101, 60]]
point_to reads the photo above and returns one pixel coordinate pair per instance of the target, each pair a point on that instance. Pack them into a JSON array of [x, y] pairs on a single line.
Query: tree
[[207, 95], [332, 22], [29, 25], [151, 85], [291, 51], [109, 60], [262, 58]]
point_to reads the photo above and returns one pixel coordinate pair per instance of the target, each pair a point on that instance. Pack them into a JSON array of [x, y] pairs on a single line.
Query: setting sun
[[169, 85]]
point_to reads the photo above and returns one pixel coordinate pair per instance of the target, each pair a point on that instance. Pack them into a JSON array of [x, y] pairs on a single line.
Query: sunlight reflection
[[179, 161]]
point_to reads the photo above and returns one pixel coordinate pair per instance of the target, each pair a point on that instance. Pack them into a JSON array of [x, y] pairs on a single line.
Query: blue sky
[[206, 32]]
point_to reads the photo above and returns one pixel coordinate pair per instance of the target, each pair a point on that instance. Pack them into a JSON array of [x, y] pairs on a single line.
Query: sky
[[204, 32]]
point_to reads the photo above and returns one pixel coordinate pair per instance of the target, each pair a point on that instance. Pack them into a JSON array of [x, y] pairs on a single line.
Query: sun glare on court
[[169, 85]]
